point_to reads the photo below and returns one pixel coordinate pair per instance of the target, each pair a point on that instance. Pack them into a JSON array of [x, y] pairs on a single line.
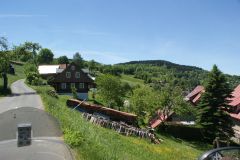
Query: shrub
[[72, 137], [29, 67], [52, 93], [74, 93], [34, 78]]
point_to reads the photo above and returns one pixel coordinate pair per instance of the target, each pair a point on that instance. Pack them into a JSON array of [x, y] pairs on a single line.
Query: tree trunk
[[5, 81]]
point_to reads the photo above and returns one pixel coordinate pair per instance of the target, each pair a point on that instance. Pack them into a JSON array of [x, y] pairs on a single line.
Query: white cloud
[[22, 15]]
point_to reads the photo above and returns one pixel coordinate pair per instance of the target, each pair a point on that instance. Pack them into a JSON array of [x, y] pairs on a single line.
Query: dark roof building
[[65, 76]]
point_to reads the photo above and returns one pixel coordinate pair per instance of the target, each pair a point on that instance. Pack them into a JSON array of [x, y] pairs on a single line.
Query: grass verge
[[92, 142]]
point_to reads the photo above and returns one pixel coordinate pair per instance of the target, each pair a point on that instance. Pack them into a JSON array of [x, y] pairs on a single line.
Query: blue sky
[[190, 32]]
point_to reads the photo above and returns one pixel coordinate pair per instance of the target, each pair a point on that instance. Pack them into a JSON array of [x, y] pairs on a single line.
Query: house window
[[77, 74], [81, 85], [72, 85], [63, 86], [73, 68], [68, 74]]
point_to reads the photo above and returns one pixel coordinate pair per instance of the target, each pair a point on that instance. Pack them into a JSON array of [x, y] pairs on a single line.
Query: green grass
[[131, 80], [91, 142], [19, 74]]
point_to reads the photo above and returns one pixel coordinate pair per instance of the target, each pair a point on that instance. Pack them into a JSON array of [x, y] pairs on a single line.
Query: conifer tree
[[212, 115]]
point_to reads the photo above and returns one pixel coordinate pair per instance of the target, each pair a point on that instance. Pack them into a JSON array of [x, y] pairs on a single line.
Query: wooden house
[[65, 76]]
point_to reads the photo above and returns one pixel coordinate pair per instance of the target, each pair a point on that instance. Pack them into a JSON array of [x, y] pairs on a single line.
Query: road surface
[[40, 149], [25, 106], [22, 96]]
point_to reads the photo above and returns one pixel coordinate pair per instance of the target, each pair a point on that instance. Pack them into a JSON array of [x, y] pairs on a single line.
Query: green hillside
[[154, 72], [91, 142]]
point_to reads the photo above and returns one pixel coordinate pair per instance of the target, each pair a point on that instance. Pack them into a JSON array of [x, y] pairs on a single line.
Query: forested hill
[[167, 64], [159, 72]]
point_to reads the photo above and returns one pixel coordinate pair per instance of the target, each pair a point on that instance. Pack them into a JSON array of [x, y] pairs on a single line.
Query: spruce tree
[[212, 109]]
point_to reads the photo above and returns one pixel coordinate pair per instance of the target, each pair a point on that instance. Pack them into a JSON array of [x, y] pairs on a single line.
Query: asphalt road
[[25, 106], [43, 124], [40, 149], [22, 96]]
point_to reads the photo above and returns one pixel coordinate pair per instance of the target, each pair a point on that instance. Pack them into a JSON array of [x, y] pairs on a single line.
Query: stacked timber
[[113, 114]]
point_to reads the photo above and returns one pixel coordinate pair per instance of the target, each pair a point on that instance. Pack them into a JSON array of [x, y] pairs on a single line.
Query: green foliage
[[3, 44], [171, 100], [74, 92], [32, 75], [73, 137], [110, 90], [146, 101], [32, 48], [78, 60], [63, 60], [91, 142], [45, 56], [33, 78], [213, 105], [142, 103], [52, 93], [5, 57], [29, 67], [19, 74], [22, 54], [26, 52], [156, 72]]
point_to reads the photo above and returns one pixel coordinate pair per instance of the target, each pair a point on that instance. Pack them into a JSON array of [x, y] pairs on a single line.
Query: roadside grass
[[91, 142], [19, 74]]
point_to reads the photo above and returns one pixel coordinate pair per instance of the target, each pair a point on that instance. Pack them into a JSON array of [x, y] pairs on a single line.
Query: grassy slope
[[19, 74], [131, 80], [95, 142]]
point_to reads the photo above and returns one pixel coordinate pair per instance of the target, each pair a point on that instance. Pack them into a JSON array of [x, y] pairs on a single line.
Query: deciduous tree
[[110, 90], [4, 59], [77, 59], [45, 56], [63, 60]]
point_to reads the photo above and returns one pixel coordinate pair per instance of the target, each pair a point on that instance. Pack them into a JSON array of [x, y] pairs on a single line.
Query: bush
[[74, 92], [29, 67], [52, 93], [34, 78], [73, 137]]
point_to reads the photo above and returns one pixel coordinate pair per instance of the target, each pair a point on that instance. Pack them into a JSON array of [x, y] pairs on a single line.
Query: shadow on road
[[43, 124], [20, 94]]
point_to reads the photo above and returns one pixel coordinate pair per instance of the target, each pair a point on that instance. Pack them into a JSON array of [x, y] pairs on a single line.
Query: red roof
[[159, 119], [234, 115], [235, 100], [195, 95]]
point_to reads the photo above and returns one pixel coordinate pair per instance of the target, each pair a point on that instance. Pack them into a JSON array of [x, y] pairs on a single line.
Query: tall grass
[[92, 142]]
